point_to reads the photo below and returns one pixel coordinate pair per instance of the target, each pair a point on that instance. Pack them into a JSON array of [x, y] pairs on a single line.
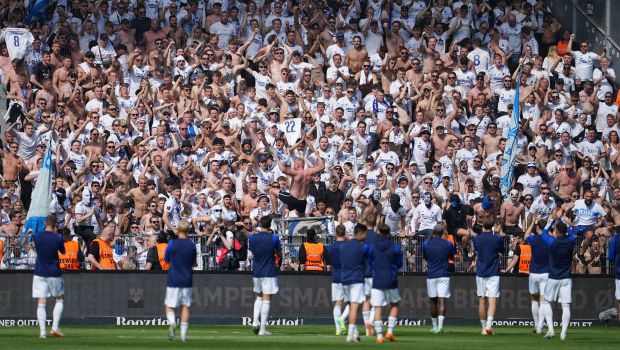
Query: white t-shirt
[[17, 41], [172, 208], [224, 33], [587, 215], [584, 64], [531, 184], [425, 218], [480, 58]]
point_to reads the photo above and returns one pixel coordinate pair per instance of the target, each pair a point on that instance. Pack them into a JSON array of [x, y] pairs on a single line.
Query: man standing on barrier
[[181, 255], [588, 215], [488, 247], [437, 252], [47, 280], [267, 251]]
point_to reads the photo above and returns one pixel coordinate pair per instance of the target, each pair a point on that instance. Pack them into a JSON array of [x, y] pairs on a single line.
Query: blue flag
[[35, 9], [41, 197], [510, 152]]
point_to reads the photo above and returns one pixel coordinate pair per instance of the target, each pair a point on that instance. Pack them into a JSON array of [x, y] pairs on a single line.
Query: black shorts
[[293, 203], [87, 233], [515, 231]]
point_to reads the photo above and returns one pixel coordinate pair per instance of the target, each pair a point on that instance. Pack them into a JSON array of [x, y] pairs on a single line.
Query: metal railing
[[130, 253]]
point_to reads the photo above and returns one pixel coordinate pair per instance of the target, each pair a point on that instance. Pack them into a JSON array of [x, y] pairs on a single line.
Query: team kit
[[364, 272]]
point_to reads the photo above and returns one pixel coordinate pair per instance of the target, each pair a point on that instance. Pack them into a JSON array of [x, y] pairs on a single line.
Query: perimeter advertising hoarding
[[137, 299]]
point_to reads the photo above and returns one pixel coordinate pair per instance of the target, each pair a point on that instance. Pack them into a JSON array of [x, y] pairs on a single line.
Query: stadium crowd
[[220, 112]]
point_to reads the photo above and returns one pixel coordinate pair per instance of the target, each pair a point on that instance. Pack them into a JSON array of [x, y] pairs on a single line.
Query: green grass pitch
[[303, 337]]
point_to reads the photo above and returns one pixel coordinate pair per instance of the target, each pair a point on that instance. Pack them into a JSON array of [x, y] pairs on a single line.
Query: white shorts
[[176, 296], [338, 292], [265, 285], [367, 286], [537, 283], [438, 287], [618, 289], [354, 292], [45, 287], [559, 290], [382, 297], [487, 286]]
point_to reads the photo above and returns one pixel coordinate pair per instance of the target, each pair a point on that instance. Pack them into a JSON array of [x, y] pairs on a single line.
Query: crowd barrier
[[130, 252]]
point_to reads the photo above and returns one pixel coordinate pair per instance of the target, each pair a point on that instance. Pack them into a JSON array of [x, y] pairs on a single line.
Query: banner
[[35, 9], [41, 197], [510, 152], [128, 298]]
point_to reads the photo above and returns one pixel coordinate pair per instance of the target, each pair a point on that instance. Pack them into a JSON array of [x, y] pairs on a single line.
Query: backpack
[[241, 246]]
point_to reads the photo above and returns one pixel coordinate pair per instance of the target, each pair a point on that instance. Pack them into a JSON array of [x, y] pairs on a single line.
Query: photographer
[[223, 239]]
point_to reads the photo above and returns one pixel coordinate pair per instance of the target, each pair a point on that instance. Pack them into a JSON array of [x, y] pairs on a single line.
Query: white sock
[[171, 318], [541, 316], [351, 330], [535, 312], [57, 314], [379, 329], [441, 319], [489, 322], [184, 326], [434, 321], [366, 317], [337, 313], [264, 314], [391, 324], [483, 323], [565, 317], [548, 312], [257, 305], [345, 313], [371, 316], [41, 317]]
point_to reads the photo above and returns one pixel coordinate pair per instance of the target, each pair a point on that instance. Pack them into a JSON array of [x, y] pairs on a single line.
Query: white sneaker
[[171, 331], [42, 336], [353, 338], [549, 335], [183, 339], [562, 336], [264, 332]]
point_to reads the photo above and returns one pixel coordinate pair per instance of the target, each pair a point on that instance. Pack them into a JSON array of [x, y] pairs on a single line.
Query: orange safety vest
[[1, 249], [314, 256], [562, 48], [69, 260], [161, 253], [618, 99], [524, 258], [453, 259], [106, 257]]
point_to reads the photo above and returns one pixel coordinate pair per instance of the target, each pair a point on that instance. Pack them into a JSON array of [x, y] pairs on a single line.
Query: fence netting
[[130, 251]]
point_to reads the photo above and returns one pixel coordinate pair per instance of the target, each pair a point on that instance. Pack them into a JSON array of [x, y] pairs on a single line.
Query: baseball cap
[[495, 176], [425, 129], [186, 143], [531, 145], [226, 123], [274, 110], [340, 35], [370, 159], [179, 58], [531, 165]]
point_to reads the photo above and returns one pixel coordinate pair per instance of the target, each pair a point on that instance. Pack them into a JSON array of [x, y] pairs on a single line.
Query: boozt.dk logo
[[136, 298], [247, 321]]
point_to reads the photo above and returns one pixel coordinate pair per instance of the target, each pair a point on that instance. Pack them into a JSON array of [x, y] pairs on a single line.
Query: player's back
[[488, 246], [385, 259], [539, 262], [181, 254], [47, 245], [561, 257], [437, 252], [264, 247], [333, 250], [371, 238], [353, 255]]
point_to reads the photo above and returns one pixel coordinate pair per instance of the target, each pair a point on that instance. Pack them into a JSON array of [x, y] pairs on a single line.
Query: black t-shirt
[[153, 258], [456, 218], [94, 250], [41, 72], [333, 199]]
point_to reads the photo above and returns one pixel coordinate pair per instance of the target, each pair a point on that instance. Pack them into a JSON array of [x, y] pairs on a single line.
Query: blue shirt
[[333, 250], [264, 246], [437, 251], [47, 245], [385, 259], [181, 254], [354, 256], [488, 247], [539, 262], [371, 238], [560, 255], [613, 255]]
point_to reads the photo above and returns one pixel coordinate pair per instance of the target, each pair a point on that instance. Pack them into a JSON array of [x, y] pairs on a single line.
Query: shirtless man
[[356, 57], [481, 211], [12, 164], [490, 140], [60, 77], [511, 212], [415, 74], [48, 94], [296, 199], [142, 195], [615, 210], [153, 34], [117, 198], [566, 182], [249, 200], [371, 211], [441, 140], [161, 150]]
